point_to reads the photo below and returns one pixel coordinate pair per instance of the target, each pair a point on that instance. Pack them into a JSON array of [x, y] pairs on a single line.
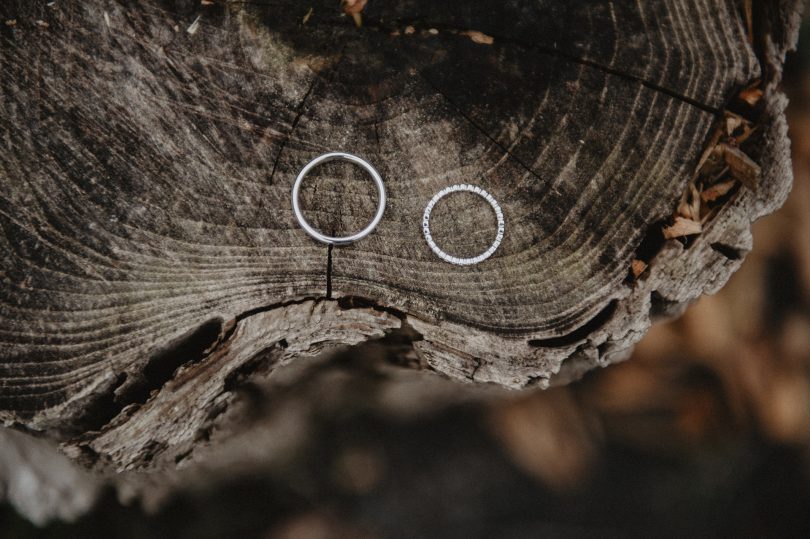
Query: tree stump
[[151, 262]]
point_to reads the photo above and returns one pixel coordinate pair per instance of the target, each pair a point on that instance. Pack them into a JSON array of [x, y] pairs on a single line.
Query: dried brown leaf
[[738, 127], [690, 204], [733, 122], [711, 156], [682, 227], [716, 191], [747, 132], [741, 166], [479, 37], [637, 267], [350, 7], [751, 95], [355, 9]]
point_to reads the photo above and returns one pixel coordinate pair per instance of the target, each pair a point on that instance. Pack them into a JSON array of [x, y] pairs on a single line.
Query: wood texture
[[147, 152]]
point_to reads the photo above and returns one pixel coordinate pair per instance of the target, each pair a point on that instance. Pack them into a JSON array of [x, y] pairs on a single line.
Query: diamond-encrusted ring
[[342, 240], [472, 189]]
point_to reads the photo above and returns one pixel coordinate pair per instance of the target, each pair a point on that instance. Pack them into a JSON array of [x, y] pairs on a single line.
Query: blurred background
[[704, 432]]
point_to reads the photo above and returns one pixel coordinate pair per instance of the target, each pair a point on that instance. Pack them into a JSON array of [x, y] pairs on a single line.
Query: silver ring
[[345, 240], [452, 259]]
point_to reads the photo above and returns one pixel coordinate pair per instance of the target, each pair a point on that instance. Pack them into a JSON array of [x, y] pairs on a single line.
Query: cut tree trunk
[[151, 263]]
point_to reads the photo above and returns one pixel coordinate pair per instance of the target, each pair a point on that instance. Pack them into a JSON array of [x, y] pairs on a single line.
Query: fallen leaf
[[716, 191], [350, 7], [738, 127], [751, 95], [690, 204], [479, 37], [733, 122], [194, 26], [638, 267], [682, 227], [741, 166], [711, 156], [354, 8]]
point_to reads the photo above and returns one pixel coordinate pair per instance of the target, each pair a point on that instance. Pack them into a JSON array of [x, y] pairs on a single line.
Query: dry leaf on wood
[[690, 205], [711, 162], [716, 191], [479, 37], [682, 227], [354, 8], [751, 95], [637, 267], [742, 167], [733, 121]]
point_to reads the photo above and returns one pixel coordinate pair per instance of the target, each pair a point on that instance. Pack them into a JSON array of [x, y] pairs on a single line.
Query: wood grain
[[147, 152]]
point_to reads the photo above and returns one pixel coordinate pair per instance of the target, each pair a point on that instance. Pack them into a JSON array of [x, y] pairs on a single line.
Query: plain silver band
[[471, 189], [345, 240]]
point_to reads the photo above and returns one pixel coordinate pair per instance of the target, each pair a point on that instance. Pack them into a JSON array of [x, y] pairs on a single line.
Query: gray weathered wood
[[147, 152]]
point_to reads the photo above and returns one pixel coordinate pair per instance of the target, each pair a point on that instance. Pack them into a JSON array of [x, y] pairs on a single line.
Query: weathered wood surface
[[153, 274], [147, 152]]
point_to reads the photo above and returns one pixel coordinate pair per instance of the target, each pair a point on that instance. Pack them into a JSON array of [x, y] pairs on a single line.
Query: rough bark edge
[[663, 294]]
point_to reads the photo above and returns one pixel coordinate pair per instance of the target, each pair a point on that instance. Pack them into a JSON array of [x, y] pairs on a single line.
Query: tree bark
[[151, 264]]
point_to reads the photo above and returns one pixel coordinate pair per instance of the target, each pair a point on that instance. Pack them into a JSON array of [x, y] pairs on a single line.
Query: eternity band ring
[[452, 259], [338, 156]]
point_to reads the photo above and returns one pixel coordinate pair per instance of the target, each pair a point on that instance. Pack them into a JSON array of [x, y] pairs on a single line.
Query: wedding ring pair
[[381, 198]]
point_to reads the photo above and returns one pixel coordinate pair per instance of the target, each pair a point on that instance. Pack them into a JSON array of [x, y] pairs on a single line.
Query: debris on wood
[[723, 166], [689, 208], [741, 166], [738, 127], [308, 15], [751, 95], [479, 37], [355, 9], [733, 121], [192, 29], [637, 267], [716, 191], [682, 227]]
